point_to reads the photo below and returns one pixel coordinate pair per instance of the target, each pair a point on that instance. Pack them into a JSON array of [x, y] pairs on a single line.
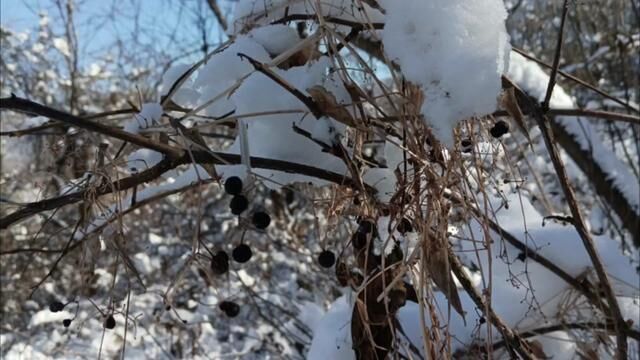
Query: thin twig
[[556, 58]]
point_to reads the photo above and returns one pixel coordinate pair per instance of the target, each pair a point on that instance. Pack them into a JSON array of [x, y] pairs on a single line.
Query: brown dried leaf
[[440, 272], [329, 105], [537, 349]]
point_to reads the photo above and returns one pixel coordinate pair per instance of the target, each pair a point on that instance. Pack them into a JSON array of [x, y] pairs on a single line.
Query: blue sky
[[164, 24]]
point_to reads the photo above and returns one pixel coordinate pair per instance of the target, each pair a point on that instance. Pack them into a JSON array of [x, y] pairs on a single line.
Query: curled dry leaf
[[328, 104]]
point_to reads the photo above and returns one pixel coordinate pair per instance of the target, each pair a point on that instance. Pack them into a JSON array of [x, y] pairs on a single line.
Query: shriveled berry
[[56, 306], [500, 128], [289, 195], [405, 226], [261, 219], [220, 263], [233, 185], [239, 203], [342, 274], [230, 308], [242, 253], [366, 226], [359, 240], [326, 258], [66, 322], [396, 255], [110, 322], [467, 145]]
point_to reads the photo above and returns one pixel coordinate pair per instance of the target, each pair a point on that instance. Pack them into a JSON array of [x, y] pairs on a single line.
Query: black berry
[[56, 306], [405, 226], [499, 128], [220, 263], [366, 226], [482, 320], [239, 203], [326, 259], [359, 240], [242, 253], [522, 257], [110, 322], [230, 308], [233, 185], [261, 219], [467, 145], [66, 322], [289, 195]]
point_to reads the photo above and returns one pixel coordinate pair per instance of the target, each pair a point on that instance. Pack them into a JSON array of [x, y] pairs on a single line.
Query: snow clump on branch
[[456, 51]]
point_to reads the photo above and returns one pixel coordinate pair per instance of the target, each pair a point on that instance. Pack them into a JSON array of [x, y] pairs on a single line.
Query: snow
[[149, 115], [45, 316], [63, 46], [515, 278], [272, 135], [533, 80], [223, 71], [324, 131], [143, 159], [332, 335], [455, 51], [276, 39]]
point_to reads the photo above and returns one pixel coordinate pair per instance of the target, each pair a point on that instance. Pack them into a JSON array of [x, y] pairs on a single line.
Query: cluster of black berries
[[220, 261], [239, 203], [57, 306]]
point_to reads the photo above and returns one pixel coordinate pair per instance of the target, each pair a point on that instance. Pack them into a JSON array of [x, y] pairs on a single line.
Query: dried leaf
[[537, 349], [329, 105], [441, 275], [440, 271]]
